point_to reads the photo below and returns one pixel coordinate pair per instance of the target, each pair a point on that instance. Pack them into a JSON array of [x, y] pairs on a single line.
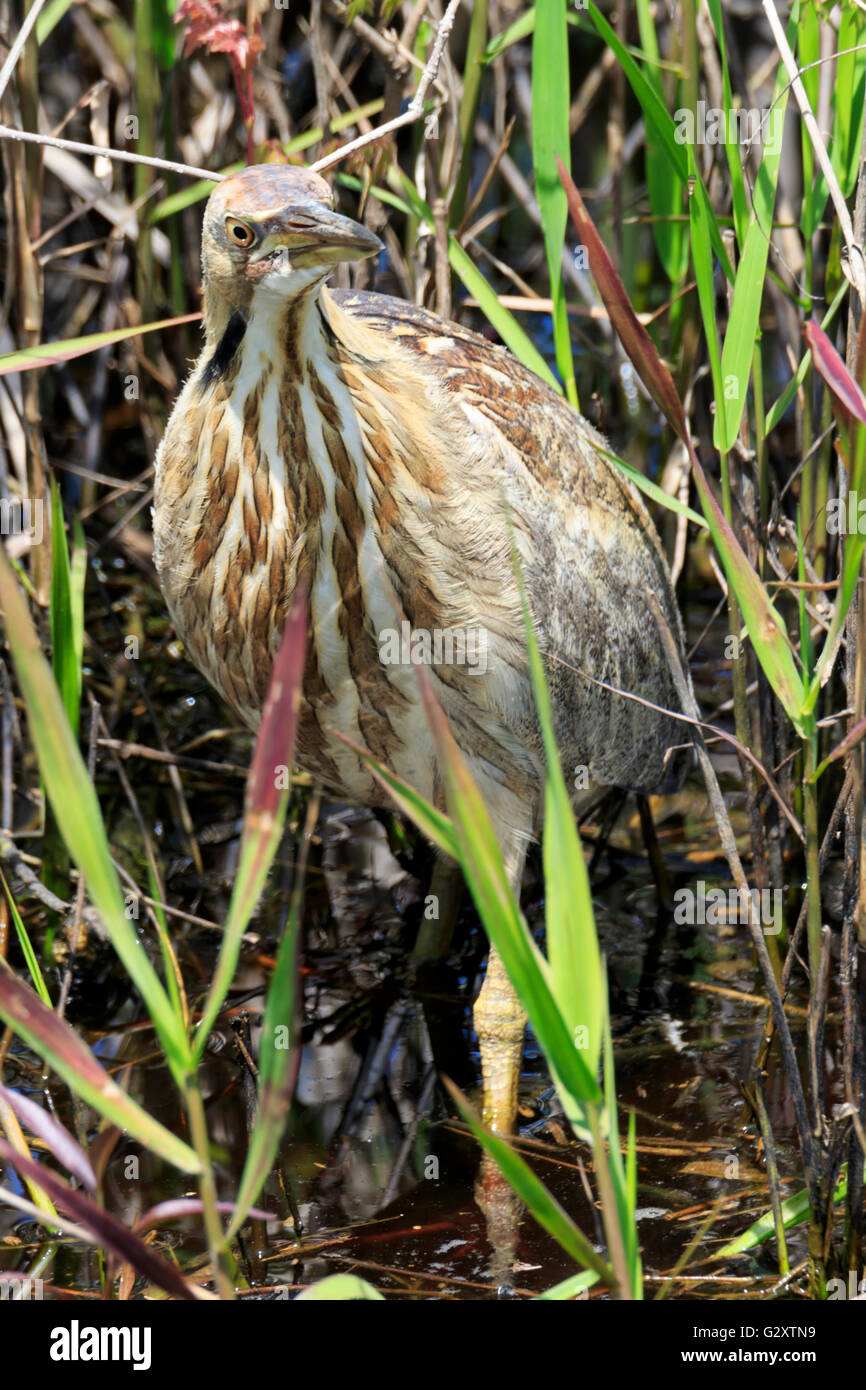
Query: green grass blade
[[569, 1288], [485, 874], [631, 1161], [848, 94], [572, 941], [50, 17], [702, 261], [471, 840], [49, 354], [795, 1211], [572, 944], [77, 812], [807, 651], [173, 976], [30, 957], [624, 1189], [851, 563], [267, 801], [657, 115], [520, 29], [340, 1288], [630, 1231], [808, 53], [742, 327], [430, 821], [64, 1051], [542, 1204], [384, 195], [779, 407], [766, 629], [732, 150], [278, 1064], [64, 656], [505, 323], [663, 181], [653, 491], [550, 137], [77, 585], [473, 77]]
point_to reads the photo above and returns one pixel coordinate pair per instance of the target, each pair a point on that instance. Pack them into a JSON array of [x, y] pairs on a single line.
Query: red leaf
[[105, 1229], [630, 331], [208, 28], [61, 1143], [834, 372], [279, 723]]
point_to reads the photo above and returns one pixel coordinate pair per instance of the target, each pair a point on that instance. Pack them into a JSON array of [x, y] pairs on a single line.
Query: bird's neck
[[313, 319], [217, 313]]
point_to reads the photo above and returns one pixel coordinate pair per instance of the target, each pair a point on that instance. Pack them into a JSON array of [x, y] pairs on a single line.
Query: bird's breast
[[268, 480]]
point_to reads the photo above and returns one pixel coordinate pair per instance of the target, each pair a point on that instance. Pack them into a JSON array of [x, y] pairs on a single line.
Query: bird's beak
[[313, 235]]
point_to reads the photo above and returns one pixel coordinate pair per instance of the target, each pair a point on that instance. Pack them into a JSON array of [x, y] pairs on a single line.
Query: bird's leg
[[500, 1023], [433, 982], [443, 902], [657, 863]]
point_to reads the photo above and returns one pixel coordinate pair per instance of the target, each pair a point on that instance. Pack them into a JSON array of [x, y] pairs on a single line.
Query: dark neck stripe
[[224, 353]]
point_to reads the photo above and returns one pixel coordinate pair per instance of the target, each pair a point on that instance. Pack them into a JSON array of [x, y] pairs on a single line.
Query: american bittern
[[373, 452]]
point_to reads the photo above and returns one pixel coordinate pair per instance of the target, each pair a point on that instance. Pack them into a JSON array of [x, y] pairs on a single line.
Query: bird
[[392, 463]]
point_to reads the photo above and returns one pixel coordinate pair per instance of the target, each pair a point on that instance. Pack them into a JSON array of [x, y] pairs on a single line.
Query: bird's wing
[[462, 359], [598, 554], [556, 445]]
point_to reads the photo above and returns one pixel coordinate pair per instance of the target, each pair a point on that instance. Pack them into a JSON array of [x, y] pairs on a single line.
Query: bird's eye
[[239, 232]]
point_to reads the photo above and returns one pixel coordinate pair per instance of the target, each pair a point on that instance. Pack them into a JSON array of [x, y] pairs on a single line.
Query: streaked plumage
[[374, 450]]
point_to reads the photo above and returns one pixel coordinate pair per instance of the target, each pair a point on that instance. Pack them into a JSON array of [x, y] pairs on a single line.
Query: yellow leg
[[500, 1023]]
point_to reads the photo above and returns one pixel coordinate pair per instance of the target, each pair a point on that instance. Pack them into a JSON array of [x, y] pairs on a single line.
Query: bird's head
[[273, 226]]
